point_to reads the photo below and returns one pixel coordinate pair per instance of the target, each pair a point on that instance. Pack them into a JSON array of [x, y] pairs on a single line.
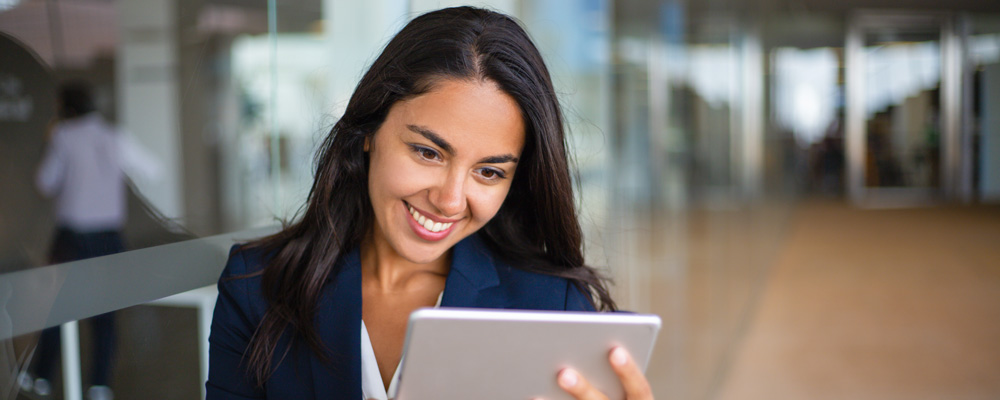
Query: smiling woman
[[446, 157], [446, 182]]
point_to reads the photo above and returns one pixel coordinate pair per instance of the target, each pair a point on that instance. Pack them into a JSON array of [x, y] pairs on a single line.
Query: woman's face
[[441, 165]]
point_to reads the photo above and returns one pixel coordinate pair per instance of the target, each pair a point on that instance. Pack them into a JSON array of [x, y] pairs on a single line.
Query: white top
[[372, 386], [84, 169]]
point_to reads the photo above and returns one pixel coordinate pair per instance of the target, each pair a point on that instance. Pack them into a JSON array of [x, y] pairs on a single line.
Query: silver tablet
[[463, 353]]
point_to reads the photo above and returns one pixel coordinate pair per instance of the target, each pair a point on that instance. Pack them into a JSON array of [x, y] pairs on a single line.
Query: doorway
[[902, 113]]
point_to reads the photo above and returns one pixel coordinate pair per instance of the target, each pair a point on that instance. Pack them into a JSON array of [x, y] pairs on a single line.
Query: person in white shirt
[[83, 171]]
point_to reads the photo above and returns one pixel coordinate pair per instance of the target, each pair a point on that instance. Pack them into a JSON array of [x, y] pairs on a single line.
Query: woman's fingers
[[633, 380], [571, 381]]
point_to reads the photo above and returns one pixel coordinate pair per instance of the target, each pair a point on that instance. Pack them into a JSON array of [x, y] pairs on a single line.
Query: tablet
[[463, 353]]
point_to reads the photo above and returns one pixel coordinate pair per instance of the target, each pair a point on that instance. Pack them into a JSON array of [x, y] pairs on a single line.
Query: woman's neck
[[384, 269]]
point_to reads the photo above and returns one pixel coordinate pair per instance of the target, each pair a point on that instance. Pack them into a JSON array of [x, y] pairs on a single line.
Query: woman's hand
[[635, 383]]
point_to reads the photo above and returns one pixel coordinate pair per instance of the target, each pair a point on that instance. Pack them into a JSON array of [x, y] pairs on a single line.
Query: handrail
[[43, 297]]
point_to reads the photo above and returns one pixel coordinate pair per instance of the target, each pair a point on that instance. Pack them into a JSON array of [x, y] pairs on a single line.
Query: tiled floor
[[702, 271], [157, 355], [877, 304]]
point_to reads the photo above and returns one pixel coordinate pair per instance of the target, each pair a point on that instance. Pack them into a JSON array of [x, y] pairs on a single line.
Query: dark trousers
[[69, 246]]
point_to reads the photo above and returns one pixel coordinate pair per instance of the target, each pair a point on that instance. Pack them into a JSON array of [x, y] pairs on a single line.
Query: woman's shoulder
[[536, 290], [244, 260], [522, 287], [240, 281]]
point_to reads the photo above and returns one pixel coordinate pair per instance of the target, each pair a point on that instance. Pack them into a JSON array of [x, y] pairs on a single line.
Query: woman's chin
[[425, 253], [423, 260]]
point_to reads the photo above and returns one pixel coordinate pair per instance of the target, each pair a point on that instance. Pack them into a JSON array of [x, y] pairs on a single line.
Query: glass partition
[[903, 107], [902, 103], [983, 116], [158, 82]]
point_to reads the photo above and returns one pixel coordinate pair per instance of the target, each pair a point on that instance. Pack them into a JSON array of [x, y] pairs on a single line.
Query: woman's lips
[[427, 228]]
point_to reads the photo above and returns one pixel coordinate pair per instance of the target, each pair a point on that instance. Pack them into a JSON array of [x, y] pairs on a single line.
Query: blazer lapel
[[338, 316], [472, 276]]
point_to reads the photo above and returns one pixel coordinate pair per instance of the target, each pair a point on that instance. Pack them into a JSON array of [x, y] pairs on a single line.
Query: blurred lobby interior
[[806, 191]]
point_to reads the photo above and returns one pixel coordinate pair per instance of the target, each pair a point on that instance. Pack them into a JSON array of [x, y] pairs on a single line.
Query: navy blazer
[[476, 279]]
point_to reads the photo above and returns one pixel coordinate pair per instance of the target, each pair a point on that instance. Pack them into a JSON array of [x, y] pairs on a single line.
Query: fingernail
[[568, 378], [618, 356]]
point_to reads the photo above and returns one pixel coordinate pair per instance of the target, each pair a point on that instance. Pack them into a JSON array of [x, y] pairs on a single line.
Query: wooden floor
[[875, 304]]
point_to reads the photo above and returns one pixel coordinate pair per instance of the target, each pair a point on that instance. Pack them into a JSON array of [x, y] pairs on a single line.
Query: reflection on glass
[[902, 109], [159, 73], [806, 94], [300, 117], [806, 91], [984, 52]]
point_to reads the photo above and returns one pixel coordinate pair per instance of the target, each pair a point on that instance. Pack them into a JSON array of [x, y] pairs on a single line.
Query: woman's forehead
[[470, 114]]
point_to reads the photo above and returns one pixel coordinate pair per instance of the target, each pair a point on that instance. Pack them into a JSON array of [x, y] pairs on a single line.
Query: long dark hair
[[536, 229]]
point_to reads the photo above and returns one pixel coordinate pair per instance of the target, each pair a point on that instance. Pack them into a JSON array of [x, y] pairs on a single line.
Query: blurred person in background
[[84, 172]]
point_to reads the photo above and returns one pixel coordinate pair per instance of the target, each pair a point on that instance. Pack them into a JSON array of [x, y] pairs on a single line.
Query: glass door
[[901, 108]]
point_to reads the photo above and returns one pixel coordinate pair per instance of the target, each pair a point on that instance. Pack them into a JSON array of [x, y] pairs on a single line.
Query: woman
[[446, 183]]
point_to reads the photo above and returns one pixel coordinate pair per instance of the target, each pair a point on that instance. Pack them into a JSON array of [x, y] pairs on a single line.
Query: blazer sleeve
[[233, 323]]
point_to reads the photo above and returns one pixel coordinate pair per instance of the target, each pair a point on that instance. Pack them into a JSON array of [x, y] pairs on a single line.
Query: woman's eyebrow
[[430, 135], [443, 144], [503, 158]]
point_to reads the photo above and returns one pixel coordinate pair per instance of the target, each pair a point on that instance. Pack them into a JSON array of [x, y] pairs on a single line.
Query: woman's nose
[[449, 196]]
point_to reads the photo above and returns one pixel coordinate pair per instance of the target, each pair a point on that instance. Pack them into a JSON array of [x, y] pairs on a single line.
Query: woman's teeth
[[427, 223]]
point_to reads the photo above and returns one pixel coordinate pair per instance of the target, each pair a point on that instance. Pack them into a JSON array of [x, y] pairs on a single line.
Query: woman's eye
[[491, 174], [425, 153]]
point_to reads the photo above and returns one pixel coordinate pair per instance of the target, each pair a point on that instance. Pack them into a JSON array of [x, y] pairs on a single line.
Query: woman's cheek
[[486, 202], [398, 174]]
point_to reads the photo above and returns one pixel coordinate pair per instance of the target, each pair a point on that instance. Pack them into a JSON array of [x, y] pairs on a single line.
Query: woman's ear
[[367, 143]]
